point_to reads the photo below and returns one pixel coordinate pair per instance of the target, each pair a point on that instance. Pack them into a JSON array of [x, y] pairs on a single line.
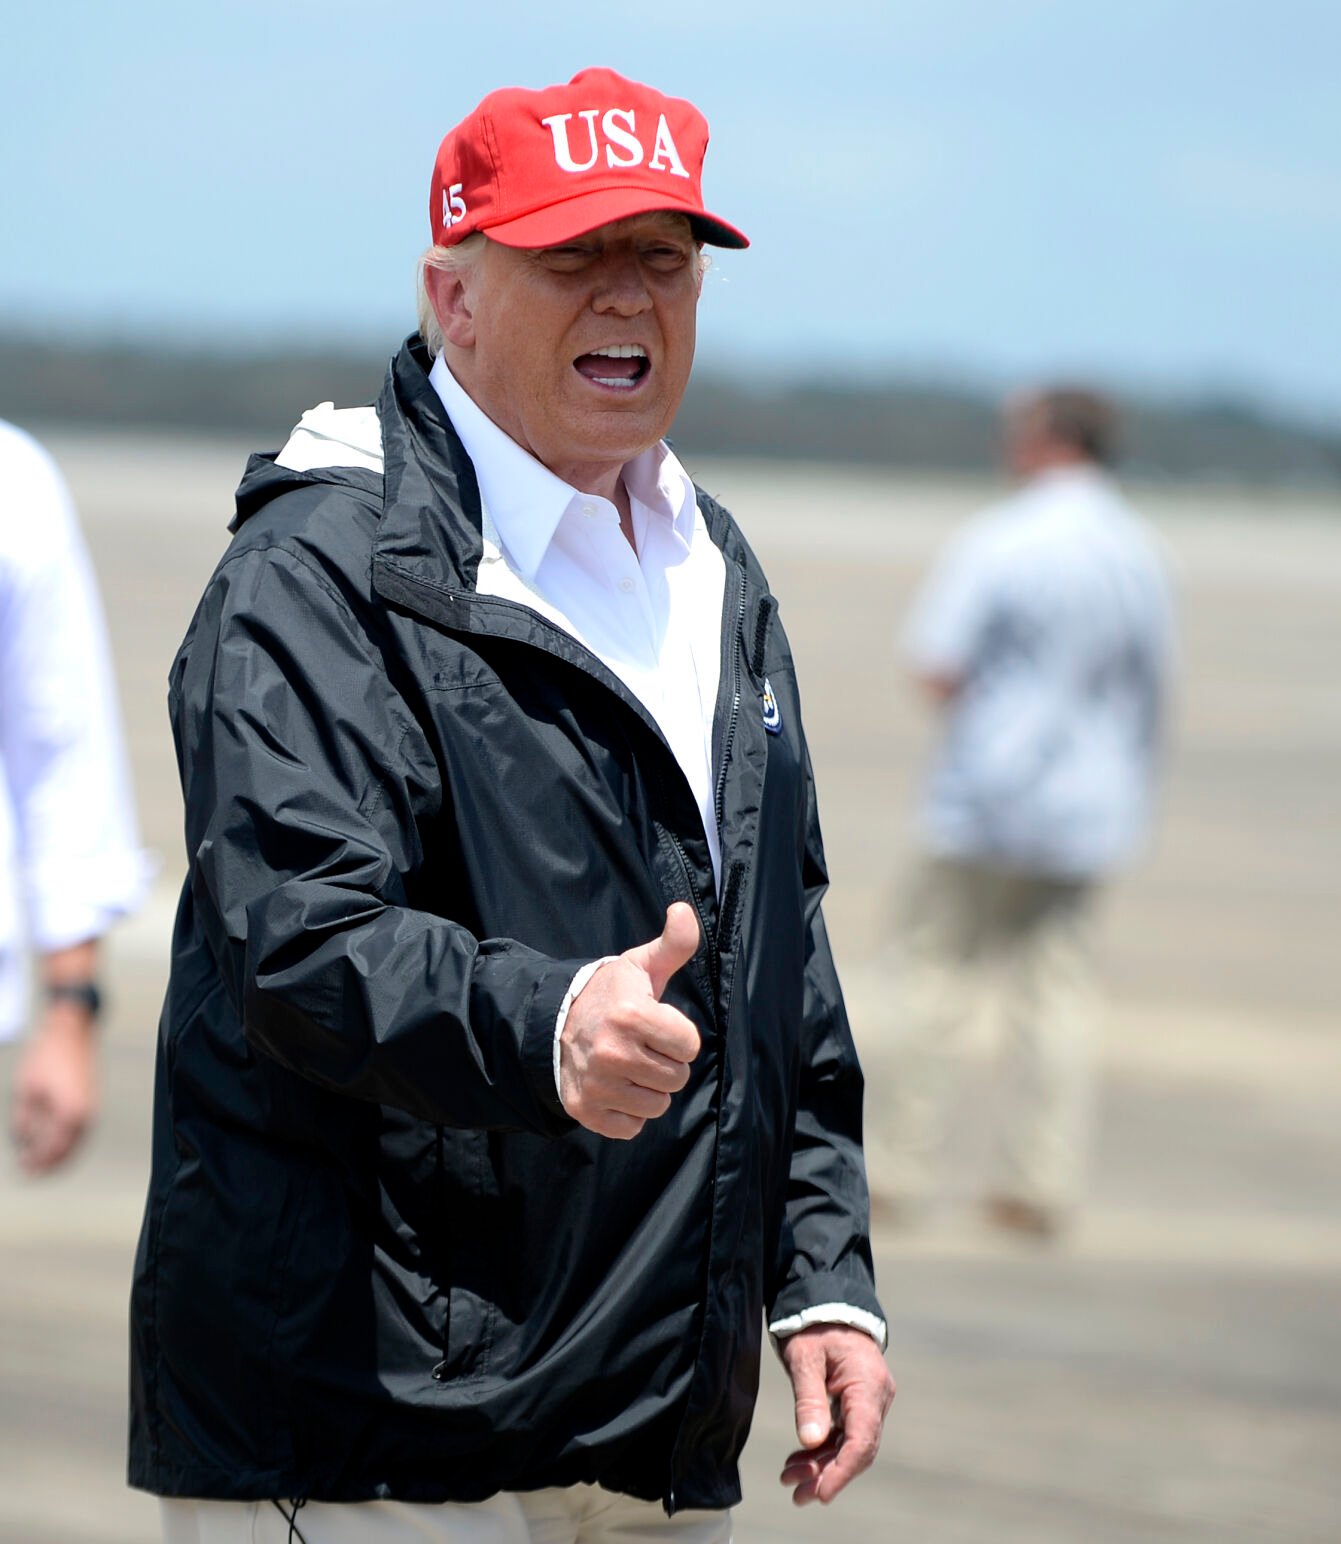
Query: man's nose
[[622, 287]]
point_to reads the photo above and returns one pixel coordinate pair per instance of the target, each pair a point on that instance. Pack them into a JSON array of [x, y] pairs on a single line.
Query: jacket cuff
[[828, 1297], [539, 1042], [832, 1313]]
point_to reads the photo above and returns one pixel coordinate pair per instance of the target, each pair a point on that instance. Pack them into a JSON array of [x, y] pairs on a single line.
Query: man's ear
[[451, 305]]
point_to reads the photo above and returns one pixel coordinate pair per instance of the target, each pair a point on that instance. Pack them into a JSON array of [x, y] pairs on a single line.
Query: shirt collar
[[526, 501], [1077, 473], [660, 485]]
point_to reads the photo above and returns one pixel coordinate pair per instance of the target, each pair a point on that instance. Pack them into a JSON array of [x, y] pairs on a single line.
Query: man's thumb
[[813, 1416], [676, 947]]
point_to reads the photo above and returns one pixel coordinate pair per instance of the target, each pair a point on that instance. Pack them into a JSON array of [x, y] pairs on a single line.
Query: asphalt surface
[[1170, 1372]]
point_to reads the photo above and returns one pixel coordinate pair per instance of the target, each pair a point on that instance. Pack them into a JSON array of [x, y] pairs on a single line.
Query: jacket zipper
[[738, 637], [725, 920], [706, 931]]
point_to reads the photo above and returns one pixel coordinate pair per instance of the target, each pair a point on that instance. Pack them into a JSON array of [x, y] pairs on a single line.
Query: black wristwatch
[[85, 993]]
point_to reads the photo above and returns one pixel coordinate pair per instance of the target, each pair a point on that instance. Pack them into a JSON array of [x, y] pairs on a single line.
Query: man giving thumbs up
[[623, 1052], [463, 1224]]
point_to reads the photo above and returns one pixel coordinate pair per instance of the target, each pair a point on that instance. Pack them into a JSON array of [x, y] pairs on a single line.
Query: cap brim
[[576, 216]]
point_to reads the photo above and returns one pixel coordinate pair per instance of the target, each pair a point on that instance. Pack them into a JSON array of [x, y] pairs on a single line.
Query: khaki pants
[[1017, 947], [579, 1514]]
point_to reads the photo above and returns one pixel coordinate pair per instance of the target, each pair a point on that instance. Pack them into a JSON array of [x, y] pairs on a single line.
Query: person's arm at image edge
[[79, 862]]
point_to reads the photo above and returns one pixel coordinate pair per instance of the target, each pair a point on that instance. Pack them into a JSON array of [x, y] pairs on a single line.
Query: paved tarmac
[[1173, 1371]]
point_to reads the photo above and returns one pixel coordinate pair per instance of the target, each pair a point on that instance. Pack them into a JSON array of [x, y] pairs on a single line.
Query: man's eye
[[666, 256], [566, 257]]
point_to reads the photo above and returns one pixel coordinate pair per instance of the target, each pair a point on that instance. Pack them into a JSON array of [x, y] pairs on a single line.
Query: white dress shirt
[[653, 617], [70, 859]]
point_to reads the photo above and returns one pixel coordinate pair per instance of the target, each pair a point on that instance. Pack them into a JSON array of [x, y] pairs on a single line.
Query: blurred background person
[[70, 861], [1044, 637]]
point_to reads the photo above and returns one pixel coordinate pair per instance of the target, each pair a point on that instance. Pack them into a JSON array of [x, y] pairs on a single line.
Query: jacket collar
[[426, 471]]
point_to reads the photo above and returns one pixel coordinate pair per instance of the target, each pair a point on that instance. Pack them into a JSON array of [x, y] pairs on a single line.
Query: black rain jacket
[[378, 1258]]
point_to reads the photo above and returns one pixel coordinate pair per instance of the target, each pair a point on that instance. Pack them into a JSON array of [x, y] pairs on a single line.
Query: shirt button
[[626, 584], [588, 510]]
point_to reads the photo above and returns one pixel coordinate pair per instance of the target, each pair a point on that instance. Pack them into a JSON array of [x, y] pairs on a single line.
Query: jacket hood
[[265, 480], [328, 445]]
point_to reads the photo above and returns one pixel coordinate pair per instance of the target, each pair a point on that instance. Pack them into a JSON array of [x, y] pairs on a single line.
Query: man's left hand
[[843, 1393], [55, 1088]]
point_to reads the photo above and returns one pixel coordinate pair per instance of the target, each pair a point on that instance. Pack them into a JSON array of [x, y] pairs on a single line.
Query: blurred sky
[[1149, 191]]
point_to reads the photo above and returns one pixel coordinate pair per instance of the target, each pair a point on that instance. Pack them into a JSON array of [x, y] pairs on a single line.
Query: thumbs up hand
[[623, 1052]]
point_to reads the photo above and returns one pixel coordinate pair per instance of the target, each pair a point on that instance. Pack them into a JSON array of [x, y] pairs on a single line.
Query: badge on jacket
[[772, 712]]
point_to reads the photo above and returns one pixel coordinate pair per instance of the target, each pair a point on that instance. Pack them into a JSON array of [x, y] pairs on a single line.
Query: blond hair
[[458, 259]]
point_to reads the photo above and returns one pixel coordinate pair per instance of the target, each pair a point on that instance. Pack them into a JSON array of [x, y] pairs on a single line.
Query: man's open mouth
[[619, 365]]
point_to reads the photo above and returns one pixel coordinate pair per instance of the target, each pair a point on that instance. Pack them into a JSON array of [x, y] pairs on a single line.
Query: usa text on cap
[[536, 168]]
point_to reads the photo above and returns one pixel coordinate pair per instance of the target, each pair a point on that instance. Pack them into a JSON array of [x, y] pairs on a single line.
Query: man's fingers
[[31, 1121], [663, 1074], [853, 1458], [22, 1119], [808, 1463], [819, 1474], [669, 1034], [53, 1146], [642, 1103], [804, 1470], [676, 946], [43, 1136], [612, 1123], [856, 1448]]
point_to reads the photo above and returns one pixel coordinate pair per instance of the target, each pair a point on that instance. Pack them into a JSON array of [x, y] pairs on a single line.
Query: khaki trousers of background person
[[976, 942], [578, 1514]]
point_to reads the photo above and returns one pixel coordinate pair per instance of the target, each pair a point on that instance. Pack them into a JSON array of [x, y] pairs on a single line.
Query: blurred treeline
[[904, 423]]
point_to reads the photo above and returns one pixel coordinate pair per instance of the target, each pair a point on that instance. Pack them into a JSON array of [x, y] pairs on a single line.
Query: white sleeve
[[569, 998], [946, 623], [79, 860]]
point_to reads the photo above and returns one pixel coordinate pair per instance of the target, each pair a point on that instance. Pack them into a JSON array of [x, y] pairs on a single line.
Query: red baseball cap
[[536, 168]]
